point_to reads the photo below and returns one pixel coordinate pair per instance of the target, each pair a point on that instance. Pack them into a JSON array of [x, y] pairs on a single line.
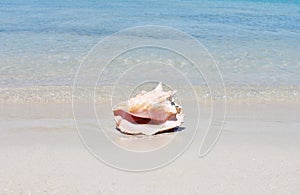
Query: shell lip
[[136, 119]]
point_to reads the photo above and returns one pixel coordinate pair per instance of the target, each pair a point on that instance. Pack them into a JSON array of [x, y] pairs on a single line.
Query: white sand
[[258, 153]]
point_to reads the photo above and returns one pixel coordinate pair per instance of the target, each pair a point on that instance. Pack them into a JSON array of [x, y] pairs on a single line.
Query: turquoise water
[[255, 43]]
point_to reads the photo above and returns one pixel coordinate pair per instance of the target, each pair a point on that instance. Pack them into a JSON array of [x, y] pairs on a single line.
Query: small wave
[[63, 94]]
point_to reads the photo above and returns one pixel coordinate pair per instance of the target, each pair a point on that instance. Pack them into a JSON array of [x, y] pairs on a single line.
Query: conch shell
[[148, 113]]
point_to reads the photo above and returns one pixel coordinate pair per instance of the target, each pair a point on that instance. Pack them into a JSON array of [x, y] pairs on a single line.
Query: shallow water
[[255, 43]]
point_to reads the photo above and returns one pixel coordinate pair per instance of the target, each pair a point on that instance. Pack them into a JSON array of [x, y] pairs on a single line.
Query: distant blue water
[[42, 42]]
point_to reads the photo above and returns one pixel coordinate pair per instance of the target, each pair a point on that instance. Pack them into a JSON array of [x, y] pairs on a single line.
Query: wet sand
[[258, 153]]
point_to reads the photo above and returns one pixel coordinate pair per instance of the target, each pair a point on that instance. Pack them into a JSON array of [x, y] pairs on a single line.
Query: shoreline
[[63, 94], [247, 110]]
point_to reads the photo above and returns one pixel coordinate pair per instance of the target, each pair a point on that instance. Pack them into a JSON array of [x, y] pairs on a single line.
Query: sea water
[[256, 44]]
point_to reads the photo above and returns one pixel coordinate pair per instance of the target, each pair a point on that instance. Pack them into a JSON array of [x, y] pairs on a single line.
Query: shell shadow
[[173, 130]]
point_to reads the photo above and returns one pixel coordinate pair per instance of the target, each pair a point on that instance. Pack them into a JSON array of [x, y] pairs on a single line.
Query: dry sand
[[258, 153]]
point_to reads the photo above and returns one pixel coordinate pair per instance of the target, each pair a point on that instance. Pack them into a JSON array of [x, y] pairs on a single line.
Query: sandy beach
[[257, 153]]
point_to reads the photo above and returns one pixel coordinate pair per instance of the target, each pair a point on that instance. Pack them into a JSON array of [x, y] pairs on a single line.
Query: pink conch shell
[[148, 113]]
